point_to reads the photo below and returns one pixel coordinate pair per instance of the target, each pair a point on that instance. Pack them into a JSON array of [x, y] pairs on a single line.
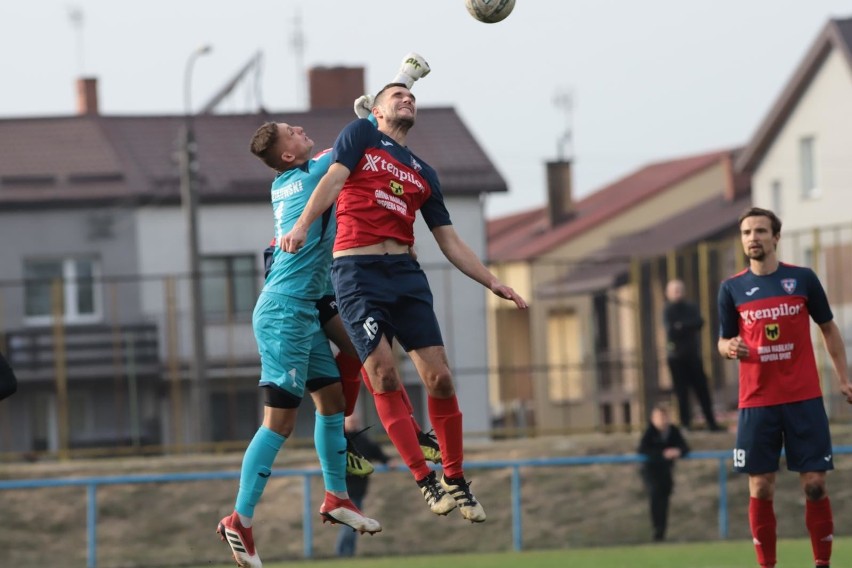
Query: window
[[79, 290], [775, 197], [808, 167], [228, 284], [606, 414], [627, 412], [564, 369]]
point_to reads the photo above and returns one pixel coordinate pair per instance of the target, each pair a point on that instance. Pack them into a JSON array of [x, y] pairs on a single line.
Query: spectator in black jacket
[[357, 485], [683, 323], [8, 382], [662, 444]]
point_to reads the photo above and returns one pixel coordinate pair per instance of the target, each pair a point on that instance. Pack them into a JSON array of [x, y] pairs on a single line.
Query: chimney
[[560, 203], [87, 96], [335, 87]]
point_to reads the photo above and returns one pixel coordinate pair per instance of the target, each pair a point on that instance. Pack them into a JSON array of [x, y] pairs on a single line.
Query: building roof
[[606, 267], [837, 34], [95, 158], [529, 234]]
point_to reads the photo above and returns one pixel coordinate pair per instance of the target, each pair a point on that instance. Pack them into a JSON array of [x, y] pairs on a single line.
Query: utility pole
[[199, 398]]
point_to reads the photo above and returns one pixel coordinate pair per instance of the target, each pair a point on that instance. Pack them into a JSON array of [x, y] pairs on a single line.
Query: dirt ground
[[172, 524]]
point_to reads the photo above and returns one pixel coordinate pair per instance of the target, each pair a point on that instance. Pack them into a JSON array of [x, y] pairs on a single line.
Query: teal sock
[[257, 466], [331, 450]]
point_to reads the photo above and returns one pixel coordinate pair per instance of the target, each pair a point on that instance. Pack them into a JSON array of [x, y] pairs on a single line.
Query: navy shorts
[[268, 258], [385, 295], [327, 308], [801, 428]]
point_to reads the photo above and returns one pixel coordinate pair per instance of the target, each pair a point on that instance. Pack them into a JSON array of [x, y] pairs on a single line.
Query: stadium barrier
[[92, 484]]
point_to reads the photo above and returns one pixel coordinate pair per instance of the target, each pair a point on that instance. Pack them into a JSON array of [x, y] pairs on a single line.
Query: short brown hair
[[385, 88], [759, 212], [263, 145]]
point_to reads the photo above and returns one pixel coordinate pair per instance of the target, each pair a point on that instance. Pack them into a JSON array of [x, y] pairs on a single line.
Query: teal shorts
[[293, 348]]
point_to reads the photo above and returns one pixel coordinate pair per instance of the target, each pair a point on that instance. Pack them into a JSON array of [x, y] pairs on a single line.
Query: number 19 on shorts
[[739, 457]]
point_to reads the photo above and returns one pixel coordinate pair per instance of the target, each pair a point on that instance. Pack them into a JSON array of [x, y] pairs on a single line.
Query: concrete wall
[[64, 234]]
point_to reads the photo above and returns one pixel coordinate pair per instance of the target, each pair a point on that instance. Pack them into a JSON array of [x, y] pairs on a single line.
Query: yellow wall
[[526, 276]]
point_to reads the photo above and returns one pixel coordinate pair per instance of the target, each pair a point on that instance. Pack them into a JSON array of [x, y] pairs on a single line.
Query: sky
[[648, 80]]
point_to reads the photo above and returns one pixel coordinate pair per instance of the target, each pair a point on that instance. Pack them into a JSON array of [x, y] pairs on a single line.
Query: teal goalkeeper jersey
[[302, 275]]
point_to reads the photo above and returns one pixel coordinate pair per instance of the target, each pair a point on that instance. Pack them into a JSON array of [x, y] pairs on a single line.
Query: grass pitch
[[723, 554]]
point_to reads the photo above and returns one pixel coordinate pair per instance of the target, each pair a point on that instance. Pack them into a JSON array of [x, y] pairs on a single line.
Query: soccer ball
[[489, 11]]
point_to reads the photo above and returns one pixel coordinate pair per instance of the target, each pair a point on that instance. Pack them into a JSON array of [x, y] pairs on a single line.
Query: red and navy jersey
[[387, 185], [771, 313]]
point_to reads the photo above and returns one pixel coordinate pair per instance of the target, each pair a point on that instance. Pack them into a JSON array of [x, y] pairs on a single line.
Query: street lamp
[[187, 78], [189, 203]]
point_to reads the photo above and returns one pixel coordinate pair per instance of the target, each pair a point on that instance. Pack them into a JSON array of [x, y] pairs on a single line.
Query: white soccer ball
[[490, 11]]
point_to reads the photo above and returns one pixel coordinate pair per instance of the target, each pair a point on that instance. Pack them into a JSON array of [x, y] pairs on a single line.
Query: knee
[[282, 421], [440, 383], [281, 428], [333, 403], [814, 490], [385, 379], [762, 489], [764, 493]]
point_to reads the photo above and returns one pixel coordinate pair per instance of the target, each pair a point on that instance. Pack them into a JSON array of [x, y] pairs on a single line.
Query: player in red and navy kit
[[381, 291], [764, 315]]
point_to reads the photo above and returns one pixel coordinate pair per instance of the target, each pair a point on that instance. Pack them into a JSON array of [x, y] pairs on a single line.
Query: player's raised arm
[[322, 198], [463, 258]]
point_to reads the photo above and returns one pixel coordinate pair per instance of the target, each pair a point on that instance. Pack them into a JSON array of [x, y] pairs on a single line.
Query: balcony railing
[[88, 352]]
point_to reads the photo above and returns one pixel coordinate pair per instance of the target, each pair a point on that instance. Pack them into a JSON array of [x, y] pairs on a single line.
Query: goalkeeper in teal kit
[[295, 353]]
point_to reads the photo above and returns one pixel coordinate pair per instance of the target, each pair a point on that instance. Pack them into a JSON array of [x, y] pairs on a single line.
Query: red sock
[[447, 421], [350, 377], [820, 523], [397, 422], [410, 408], [761, 519], [366, 378], [405, 399]]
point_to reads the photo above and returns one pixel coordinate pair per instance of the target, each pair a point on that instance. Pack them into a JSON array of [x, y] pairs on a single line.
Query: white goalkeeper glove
[[413, 67], [363, 106]]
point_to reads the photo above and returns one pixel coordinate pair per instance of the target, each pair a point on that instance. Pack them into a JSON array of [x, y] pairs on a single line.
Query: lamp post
[[189, 203]]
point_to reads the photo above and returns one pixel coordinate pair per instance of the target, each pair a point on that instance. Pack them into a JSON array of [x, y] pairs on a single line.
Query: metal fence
[[516, 467], [521, 483], [106, 363]]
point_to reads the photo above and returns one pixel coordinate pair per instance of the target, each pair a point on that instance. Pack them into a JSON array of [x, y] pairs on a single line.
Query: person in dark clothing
[[347, 539], [683, 323], [662, 444], [8, 382]]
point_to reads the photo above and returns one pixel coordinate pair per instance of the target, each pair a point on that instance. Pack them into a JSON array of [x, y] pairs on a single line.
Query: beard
[[758, 254], [402, 123]]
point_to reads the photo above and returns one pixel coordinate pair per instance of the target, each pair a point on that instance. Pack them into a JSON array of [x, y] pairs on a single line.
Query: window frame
[[230, 275], [70, 288]]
